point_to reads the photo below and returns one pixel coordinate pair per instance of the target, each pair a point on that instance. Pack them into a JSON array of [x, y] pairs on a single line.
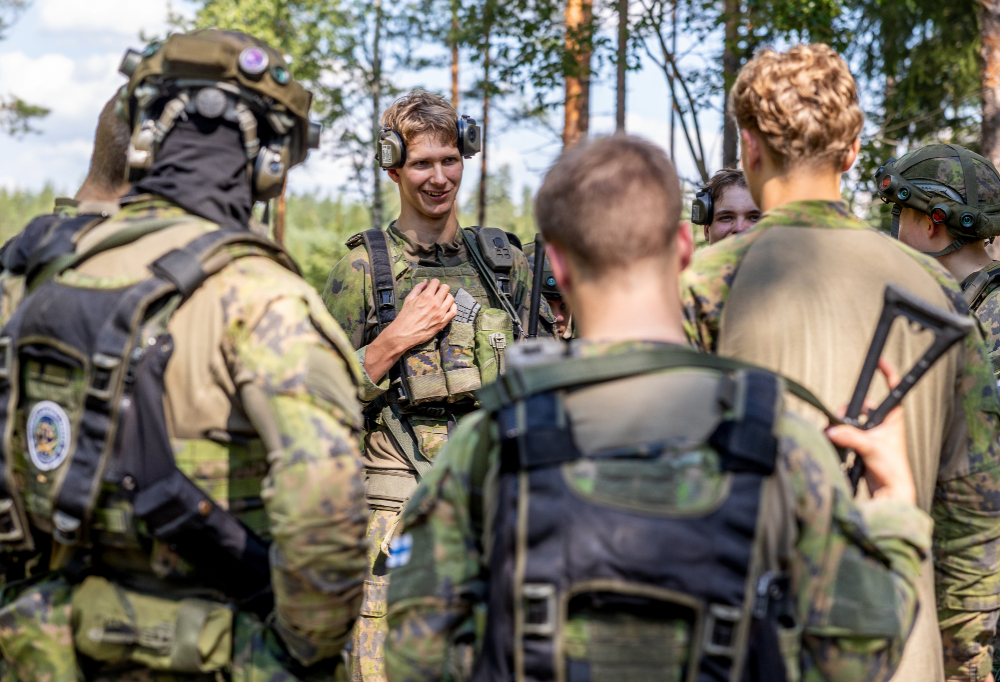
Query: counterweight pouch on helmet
[[599, 567], [115, 625]]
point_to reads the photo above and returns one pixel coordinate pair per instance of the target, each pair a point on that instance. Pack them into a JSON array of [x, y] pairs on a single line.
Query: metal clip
[[6, 356], [65, 528], [721, 628], [499, 343], [538, 601]]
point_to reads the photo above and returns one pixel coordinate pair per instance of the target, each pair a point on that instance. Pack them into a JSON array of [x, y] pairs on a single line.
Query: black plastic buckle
[[10, 522], [538, 601], [103, 375], [6, 356], [503, 283], [721, 630], [65, 528], [386, 298]]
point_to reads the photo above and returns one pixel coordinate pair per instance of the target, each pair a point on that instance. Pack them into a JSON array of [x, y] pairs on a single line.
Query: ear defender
[[390, 150], [702, 208]]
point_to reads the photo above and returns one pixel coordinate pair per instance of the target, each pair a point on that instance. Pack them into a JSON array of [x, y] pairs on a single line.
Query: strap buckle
[[65, 528], [721, 629], [11, 529], [386, 298], [103, 376], [538, 603], [6, 356]]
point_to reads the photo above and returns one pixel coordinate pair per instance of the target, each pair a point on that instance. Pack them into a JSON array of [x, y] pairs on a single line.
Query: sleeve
[[347, 297], [435, 591], [300, 392], [853, 567], [966, 512]]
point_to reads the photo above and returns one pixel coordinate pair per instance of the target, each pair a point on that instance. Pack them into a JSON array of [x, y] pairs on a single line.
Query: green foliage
[[20, 206], [16, 116]]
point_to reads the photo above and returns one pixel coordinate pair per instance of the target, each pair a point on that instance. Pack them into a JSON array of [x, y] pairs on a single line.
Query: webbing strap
[[57, 242], [405, 441], [383, 278], [748, 443], [520, 382], [971, 180], [951, 248]]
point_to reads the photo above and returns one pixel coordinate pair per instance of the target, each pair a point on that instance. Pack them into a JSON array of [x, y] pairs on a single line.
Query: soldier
[[97, 197], [569, 516], [931, 211], [431, 310], [801, 294], [724, 206], [182, 493], [557, 304]]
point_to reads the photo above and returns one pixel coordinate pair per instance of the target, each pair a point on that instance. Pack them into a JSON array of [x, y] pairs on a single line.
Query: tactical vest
[[630, 563], [975, 290], [86, 456]]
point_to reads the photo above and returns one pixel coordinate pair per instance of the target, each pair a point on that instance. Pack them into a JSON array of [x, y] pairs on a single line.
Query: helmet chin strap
[[894, 230]]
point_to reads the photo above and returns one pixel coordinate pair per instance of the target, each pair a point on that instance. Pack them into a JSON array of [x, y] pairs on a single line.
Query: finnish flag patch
[[400, 550]]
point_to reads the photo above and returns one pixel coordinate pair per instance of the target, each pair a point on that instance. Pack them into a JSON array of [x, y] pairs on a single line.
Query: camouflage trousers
[[371, 628]]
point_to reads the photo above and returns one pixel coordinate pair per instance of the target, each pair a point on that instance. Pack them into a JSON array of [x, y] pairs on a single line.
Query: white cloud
[[122, 17], [71, 89]]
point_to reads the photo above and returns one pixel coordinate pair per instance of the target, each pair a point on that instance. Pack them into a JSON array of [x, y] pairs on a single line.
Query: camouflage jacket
[[802, 331], [986, 306], [287, 466], [348, 296], [435, 600]]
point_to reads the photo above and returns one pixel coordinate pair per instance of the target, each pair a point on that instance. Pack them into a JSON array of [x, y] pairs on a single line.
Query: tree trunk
[[730, 67], [577, 108], [622, 64], [376, 115], [989, 51], [486, 123], [454, 56], [670, 78]]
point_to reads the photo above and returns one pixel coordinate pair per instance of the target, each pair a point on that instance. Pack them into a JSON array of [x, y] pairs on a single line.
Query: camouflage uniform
[[436, 602], [810, 314], [348, 296]]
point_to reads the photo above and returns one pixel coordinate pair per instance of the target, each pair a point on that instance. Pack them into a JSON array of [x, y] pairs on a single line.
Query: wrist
[[902, 492]]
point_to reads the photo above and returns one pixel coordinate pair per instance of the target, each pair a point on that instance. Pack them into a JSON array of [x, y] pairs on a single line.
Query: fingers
[[847, 437], [891, 375], [415, 291]]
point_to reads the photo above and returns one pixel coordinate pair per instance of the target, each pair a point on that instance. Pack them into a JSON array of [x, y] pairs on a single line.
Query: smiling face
[[735, 212], [430, 178]]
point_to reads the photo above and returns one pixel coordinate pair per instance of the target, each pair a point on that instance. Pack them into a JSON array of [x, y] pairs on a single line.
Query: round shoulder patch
[[48, 435]]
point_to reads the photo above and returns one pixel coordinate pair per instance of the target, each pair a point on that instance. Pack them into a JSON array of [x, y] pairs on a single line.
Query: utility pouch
[[35, 632], [431, 434], [423, 373], [459, 360], [494, 334], [112, 624]]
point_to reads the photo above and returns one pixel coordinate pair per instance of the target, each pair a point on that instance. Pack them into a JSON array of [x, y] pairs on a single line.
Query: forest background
[[927, 71]]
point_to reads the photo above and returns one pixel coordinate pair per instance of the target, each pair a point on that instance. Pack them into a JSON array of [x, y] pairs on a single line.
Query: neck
[[800, 184], [967, 260], [92, 191], [641, 303], [427, 230]]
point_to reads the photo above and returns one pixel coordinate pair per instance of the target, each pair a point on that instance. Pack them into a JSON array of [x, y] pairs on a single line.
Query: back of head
[[420, 112], [611, 203], [107, 178], [803, 102]]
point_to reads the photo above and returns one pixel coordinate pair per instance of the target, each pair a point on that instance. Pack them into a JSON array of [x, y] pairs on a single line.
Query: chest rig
[[637, 562], [81, 413]]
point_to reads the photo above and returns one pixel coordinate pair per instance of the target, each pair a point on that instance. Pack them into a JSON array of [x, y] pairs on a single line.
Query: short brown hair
[[804, 102], [723, 180], [422, 112], [108, 165], [611, 203]]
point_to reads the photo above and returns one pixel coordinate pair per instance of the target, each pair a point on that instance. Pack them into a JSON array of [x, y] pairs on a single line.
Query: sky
[[64, 55]]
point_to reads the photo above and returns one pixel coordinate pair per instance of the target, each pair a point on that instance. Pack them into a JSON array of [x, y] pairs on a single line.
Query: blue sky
[[64, 54]]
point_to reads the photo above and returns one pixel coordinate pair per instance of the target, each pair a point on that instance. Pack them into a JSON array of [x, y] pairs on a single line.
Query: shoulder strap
[[60, 241], [487, 275], [521, 382], [747, 443], [978, 285], [383, 278]]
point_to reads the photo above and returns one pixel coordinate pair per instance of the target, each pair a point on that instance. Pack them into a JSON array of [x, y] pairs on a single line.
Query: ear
[[560, 268], [394, 174], [706, 231], [685, 244], [932, 228], [852, 155], [751, 158]]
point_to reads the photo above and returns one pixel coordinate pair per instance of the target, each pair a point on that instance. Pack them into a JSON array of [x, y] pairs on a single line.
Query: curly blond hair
[[420, 112], [803, 102]]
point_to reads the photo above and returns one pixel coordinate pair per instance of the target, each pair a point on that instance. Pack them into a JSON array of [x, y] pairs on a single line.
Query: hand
[[883, 449], [426, 310]]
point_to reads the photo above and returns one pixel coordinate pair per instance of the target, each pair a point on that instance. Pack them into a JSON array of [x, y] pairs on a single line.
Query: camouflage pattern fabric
[[273, 333], [948, 171], [436, 597], [964, 508], [368, 639], [987, 309]]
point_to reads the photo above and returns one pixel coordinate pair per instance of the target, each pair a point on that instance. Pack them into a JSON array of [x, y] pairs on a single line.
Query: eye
[[754, 217]]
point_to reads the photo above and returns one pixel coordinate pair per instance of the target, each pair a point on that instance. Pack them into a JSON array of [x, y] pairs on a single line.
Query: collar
[[446, 254], [584, 348], [813, 213]]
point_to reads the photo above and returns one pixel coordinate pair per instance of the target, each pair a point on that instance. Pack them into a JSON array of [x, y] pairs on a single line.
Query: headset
[[391, 151], [702, 208]]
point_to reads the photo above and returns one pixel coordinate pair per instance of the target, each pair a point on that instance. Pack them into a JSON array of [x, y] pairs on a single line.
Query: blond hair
[[803, 102], [610, 203], [420, 112]]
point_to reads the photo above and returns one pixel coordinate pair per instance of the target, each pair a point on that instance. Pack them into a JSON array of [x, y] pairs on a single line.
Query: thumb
[[847, 437]]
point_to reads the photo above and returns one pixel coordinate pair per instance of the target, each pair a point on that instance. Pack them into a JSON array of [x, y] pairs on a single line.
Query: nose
[[438, 178], [742, 225]]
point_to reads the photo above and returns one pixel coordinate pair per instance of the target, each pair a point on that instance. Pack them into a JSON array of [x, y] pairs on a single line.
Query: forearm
[[314, 497], [384, 352]]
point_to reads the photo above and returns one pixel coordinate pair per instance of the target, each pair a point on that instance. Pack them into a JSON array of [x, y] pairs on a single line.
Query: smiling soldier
[[430, 308]]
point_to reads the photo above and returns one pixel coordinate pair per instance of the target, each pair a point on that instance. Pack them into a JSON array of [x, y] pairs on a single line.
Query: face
[[430, 178], [560, 308], [735, 212]]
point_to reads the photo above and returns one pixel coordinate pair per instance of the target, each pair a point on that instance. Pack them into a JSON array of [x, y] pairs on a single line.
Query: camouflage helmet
[[219, 74], [549, 289], [954, 186]]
